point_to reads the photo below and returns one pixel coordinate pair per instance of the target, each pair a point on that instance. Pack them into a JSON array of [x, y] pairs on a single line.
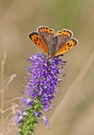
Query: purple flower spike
[[45, 75]]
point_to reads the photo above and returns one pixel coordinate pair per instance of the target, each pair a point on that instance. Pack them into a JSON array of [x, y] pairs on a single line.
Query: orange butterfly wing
[[65, 32], [45, 29], [47, 35], [36, 38], [67, 46], [64, 36]]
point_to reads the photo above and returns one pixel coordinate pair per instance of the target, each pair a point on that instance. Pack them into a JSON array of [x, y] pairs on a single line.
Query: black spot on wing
[[68, 43]]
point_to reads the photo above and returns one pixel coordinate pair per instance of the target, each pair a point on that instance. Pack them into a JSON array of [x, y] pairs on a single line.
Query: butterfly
[[51, 43]]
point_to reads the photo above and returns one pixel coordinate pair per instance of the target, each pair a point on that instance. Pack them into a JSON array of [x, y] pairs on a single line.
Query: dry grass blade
[[9, 111], [10, 80]]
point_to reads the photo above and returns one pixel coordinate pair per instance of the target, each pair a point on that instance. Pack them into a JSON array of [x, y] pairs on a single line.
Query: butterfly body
[[52, 44], [52, 49]]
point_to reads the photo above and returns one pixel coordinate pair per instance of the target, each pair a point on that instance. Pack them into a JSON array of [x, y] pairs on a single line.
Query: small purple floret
[[46, 122]]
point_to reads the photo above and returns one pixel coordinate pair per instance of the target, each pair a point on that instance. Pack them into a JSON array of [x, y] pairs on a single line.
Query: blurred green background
[[74, 109]]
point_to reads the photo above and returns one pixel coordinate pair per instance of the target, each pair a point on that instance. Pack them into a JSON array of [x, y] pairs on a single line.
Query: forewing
[[47, 35], [67, 46], [63, 36], [37, 39]]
